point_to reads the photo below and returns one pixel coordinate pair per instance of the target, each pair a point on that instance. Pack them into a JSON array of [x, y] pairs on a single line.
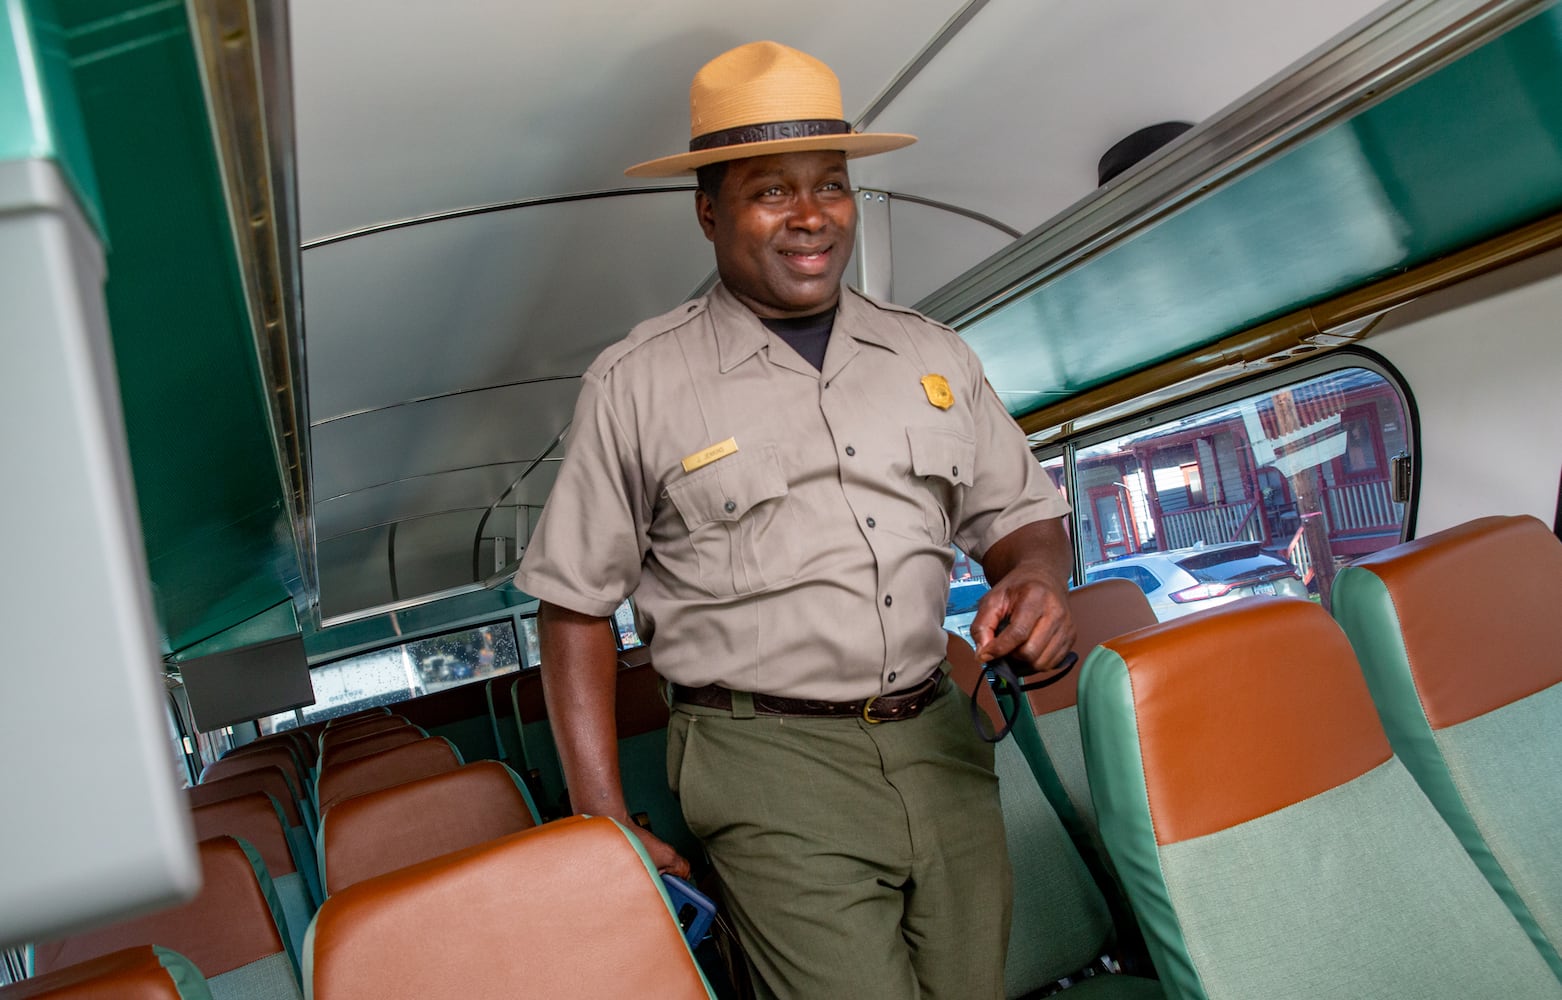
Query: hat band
[[769, 132]]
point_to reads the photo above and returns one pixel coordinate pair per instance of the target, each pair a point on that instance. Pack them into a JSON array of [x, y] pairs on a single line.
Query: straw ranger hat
[[765, 98]]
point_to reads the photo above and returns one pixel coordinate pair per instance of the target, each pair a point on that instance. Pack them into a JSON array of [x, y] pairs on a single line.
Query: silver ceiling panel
[[490, 299], [427, 494], [932, 246], [354, 572], [406, 109], [1104, 69], [454, 432], [435, 553]]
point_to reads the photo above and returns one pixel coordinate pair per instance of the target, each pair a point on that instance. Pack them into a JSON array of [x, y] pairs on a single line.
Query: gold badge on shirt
[[706, 456], [938, 391]]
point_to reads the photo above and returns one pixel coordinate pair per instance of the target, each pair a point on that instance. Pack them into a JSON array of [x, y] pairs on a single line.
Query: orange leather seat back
[[1101, 611], [278, 756], [253, 818], [227, 925], [1244, 710], [358, 716], [432, 816], [268, 779], [357, 730], [342, 751], [565, 909], [140, 973], [386, 768], [1483, 593]]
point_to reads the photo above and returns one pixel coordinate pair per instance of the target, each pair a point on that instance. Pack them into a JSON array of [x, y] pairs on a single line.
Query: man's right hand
[[666, 860]]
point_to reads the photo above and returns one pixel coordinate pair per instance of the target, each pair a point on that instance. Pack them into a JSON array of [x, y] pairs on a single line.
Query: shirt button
[[872, 523], [892, 676], [850, 451], [888, 600], [955, 472], [730, 506]]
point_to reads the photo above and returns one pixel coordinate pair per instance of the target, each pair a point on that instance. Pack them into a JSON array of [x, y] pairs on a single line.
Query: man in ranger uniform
[[777, 472]]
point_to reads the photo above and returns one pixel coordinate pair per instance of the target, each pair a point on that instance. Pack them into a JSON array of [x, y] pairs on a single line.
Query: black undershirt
[[807, 335]]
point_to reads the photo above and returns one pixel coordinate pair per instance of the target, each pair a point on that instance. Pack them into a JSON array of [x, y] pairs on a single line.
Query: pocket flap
[[728, 488], [943, 454]]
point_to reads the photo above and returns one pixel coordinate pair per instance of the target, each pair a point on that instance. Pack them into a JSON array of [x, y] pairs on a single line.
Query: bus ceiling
[[431, 202]]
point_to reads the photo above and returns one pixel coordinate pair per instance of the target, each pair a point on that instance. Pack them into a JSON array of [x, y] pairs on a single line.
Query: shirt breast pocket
[[942, 462], [742, 529]]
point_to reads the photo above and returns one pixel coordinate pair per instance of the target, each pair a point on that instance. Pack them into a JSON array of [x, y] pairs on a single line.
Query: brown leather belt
[[906, 704]]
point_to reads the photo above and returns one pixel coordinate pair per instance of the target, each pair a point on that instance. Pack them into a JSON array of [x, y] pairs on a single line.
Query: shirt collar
[[739, 334]]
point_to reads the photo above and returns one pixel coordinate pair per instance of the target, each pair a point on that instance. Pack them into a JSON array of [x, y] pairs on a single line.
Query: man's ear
[[705, 211]]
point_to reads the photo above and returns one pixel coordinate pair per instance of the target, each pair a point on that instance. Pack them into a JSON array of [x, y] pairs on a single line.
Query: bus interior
[[300, 297]]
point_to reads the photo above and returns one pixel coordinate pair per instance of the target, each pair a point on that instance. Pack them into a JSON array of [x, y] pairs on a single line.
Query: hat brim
[[852, 144]]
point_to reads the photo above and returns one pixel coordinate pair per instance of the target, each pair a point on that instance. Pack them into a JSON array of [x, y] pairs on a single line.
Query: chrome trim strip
[[1378, 57], [968, 213], [430, 475], [395, 606], [918, 63], [498, 206], [244, 52], [442, 395]]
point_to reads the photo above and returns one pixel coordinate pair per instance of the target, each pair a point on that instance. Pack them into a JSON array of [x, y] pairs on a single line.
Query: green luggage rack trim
[[1469, 152]]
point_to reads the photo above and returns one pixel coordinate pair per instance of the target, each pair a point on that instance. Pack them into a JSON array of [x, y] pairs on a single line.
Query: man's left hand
[[1030, 568]]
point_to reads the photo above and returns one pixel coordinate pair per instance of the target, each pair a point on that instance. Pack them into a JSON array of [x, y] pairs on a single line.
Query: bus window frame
[[1262, 383]]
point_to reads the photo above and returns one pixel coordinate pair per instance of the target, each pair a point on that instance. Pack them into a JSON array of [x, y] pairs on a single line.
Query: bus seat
[[507, 744], [1272, 844], [571, 908], [232, 930], [386, 768], [358, 716], [341, 751], [432, 816], [1061, 922], [1460, 636], [539, 756], [270, 780], [276, 756], [363, 727], [642, 716], [141, 973], [257, 819], [267, 743], [1101, 611]]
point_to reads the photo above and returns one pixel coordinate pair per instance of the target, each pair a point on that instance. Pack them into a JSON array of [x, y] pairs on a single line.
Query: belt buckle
[[867, 711]]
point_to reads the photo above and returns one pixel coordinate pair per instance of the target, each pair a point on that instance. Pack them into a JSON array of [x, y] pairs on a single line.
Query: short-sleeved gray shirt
[[813, 560]]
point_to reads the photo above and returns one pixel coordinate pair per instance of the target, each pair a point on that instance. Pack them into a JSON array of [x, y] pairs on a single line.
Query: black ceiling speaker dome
[[1135, 147]]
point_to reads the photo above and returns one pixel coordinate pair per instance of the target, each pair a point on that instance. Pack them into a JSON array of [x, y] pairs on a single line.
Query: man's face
[[783, 227]]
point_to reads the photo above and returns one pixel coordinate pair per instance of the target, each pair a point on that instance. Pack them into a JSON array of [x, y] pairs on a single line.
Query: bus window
[[532, 645], [1267, 494], [625, 630], [408, 670]]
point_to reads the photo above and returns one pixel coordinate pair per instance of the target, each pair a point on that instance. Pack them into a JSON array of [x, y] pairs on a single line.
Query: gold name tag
[[938, 391], [702, 458]]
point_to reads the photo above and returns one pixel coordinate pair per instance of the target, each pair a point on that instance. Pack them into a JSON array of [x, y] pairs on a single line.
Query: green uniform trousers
[[859, 860]]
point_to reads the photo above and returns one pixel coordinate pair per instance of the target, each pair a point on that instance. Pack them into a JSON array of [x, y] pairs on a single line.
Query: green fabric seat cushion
[[270, 978], [297, 908], [1060, 922], [1511, 783], [1060, 737], [1360, 891], [1496, 778]]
